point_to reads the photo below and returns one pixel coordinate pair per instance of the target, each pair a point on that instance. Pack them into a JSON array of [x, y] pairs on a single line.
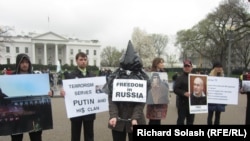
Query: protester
[[123, 115], [87, 121], [174, 77], [215, 108], [181, 90], [247, 93], [157, 112], [23, 66]]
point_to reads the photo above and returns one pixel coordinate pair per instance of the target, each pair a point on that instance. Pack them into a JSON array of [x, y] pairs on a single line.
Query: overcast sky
[[109, 21]]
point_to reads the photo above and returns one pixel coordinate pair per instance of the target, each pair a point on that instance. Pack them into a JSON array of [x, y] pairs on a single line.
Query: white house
[[48, 48]]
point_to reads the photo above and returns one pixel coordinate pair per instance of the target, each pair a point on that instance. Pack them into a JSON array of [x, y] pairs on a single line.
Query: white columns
[[45, 54], [56, 53], [67, 56], [33, 53]]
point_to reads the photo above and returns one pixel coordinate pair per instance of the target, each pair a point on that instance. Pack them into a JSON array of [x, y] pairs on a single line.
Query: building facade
[[48, 49]]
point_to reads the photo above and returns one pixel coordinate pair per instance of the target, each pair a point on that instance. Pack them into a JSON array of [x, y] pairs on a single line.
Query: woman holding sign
[[246, 77], [125, 114], [157, 109], [215, 108]]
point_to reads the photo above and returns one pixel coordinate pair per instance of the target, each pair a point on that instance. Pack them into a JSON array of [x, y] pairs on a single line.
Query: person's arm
[[113, 112], [178, 87]]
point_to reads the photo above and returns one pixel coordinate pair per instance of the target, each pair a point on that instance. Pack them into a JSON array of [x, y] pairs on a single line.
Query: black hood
[[19, 59], [130, 60]]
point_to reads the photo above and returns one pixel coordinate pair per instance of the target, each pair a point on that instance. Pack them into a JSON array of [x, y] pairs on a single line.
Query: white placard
[[83, 96], [129, 90], [223, 90]]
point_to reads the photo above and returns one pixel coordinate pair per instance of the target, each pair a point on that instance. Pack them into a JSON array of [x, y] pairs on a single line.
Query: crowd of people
[[123, 115]]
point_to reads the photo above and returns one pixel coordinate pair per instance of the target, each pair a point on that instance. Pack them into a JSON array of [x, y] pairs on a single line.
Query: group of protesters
[[123, 115]]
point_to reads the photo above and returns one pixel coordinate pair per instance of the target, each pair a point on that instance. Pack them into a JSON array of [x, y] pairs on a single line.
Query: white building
[[48, 48]]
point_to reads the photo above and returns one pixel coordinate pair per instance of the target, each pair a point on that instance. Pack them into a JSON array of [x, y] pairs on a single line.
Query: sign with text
[[129, 90], [223, 90], [25, 84], [84, 96]]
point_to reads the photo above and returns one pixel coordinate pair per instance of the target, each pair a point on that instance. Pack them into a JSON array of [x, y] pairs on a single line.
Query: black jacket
[[180, 87], [76, 73]]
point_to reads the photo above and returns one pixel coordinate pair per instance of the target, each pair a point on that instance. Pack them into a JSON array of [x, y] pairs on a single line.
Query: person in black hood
[[23, 66], [125, 114]]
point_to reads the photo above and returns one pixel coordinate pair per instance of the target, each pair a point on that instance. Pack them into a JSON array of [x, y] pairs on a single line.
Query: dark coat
[[180, 87], [125, 112], [76, 73]]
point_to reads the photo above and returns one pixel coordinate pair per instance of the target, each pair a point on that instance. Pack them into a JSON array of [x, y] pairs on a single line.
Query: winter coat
[[181, 86], [126, 111]]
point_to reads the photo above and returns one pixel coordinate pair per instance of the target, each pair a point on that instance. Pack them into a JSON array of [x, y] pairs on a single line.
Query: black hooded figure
[[125, 114]]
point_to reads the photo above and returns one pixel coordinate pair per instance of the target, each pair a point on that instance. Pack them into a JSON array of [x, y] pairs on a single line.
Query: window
[[94, 52], [26, 50], [8, 60], [94, 62], [60, 51], [71, 62], [79, 50], [17, 49], [7, 49], [87, 52], [71, 51]]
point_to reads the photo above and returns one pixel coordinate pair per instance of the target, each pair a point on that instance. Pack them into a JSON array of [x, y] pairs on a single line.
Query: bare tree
[[160, 43], [144, 46], [209, 38], [110, 56], [4, 37], [171, 59]]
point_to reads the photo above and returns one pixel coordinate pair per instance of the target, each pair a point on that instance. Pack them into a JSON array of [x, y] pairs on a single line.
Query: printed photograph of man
[[198, 93]]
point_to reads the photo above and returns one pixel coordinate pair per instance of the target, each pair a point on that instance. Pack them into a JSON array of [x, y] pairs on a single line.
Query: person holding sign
[[198, 97], [125, 114], [181, 90], [246, 77], [23, 66], [215, 108], [157, 101], [87, 121]]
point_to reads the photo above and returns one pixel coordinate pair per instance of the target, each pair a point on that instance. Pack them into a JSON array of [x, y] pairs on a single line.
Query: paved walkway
[[235, 114]]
